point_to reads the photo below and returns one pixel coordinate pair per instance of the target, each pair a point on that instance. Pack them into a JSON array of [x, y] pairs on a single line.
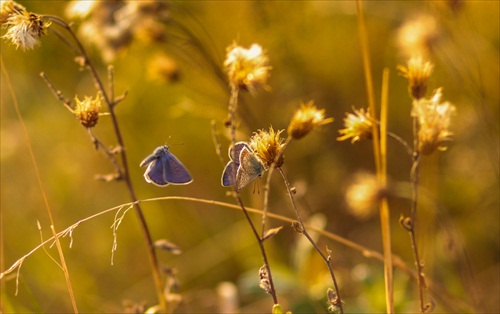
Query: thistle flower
[[417, 72], [363, 195], [267, 146], [306, 119], [25, 29], [358, 126], [433, 121], [87, 110], [9, 8], [247, 68]]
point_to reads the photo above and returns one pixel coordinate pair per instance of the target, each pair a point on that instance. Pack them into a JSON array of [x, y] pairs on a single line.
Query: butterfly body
[[164, 168]]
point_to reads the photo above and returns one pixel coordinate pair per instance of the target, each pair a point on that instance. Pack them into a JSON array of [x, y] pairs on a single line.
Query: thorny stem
[[233, 103], [304, 231], [124, 173]]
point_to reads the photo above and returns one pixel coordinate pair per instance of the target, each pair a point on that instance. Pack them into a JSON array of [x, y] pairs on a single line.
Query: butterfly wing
[[173, 170], [154, 173], [232, 166], [250, 168], [228, 174]]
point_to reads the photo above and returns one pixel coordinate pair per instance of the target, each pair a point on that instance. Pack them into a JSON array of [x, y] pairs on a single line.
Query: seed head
[[433, 122], [25, 29], [87, 110], [306, 119], [267, 146], [247, 68], [9, 8], [357, 126], [418, 73]]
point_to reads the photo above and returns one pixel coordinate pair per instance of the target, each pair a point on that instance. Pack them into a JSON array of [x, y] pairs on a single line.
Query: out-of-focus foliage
[[175, 89]]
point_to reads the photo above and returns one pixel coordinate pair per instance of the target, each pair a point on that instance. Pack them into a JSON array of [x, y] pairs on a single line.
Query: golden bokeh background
[[315, 54]]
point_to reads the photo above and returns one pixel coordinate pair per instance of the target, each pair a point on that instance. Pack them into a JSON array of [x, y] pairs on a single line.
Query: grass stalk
[[38, 175], [384, 208]]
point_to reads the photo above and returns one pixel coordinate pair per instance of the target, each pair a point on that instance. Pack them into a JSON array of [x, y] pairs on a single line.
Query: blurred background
[[171, 68]]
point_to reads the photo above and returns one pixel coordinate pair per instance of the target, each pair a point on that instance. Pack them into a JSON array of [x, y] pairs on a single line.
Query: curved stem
[[303, 230], [123, 171], [233, 103]]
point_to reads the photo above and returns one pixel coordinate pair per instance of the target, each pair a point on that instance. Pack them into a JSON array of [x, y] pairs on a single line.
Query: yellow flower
[[358, 126], [25, 29], [9, 8], [418, 73], [267, 146], [247, 68], [306, 119], [433, 122], [87, 110]]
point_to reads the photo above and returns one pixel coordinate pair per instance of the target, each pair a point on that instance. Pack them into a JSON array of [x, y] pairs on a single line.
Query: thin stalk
[[124, 172], [233, 103], [384, 210], [410, 227], [267, 186], [303, 230], [38, 175]]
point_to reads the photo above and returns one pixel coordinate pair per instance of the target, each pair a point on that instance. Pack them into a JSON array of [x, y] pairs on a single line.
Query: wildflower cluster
[[24, 28], [87, 110], [418, 73], [433, 122], [357, 126], [247, 68], [306, 119], [268, 146]]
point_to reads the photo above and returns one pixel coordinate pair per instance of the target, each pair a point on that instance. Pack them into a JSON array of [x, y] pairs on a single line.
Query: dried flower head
[[247, 68], [363, 195], [418, 35], [9, 8], [358, 126], [267, 146], [418, 73], [87, 110], [306, 119], [25, 29], [433, 122]]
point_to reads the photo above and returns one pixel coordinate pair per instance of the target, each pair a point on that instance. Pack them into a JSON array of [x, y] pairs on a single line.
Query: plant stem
[[384, 209], [311, 240], [123, 172], [233, 103]]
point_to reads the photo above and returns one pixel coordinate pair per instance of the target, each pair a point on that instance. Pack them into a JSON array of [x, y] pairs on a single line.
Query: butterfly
[[247, 165], [164, 168]]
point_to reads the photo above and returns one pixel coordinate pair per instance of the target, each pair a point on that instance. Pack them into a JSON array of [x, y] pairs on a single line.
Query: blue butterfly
[[247, 165], [164, 168]]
